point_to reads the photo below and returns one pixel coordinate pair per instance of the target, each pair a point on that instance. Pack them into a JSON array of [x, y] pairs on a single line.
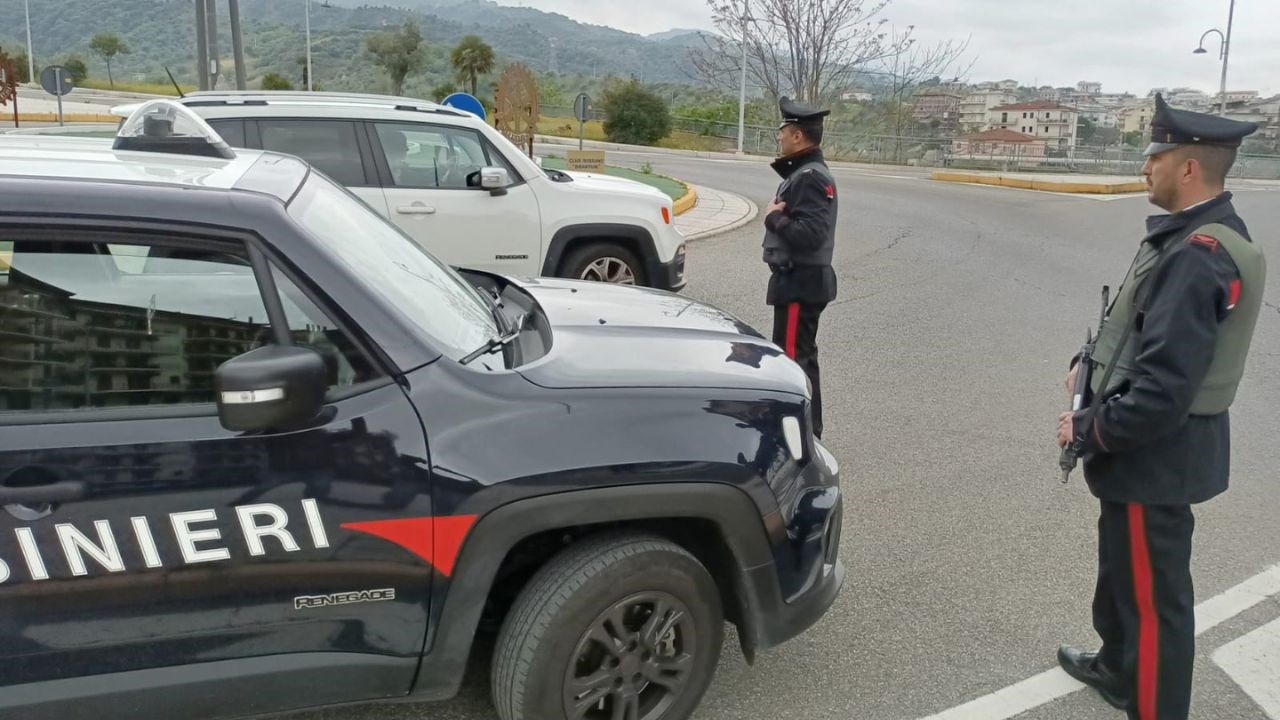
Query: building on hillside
[[999, 145], [939, 107], [1088, 87], [977, 104], [1137, 118], [1048, 120]]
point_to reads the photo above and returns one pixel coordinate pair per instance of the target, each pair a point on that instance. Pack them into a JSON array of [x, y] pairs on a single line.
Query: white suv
[[459, 187]]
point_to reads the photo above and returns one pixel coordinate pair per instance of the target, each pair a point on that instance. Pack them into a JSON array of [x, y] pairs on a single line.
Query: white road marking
[[1253, 662], [1053, 684]]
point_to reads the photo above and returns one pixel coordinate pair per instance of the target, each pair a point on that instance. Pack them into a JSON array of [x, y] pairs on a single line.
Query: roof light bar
[[165, 126]]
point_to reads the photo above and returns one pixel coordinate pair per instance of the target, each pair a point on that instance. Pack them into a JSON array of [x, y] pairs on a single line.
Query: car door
[[336, 148], [430, 177], [140, 539]]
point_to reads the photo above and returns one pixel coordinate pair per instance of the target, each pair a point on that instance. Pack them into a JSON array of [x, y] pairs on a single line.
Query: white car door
[[430, 177]]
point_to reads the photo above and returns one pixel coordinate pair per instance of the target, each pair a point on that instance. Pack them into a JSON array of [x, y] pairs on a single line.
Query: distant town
[[1004, 118]]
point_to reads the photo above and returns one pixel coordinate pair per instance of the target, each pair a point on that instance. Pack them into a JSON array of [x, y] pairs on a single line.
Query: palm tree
[[472, 58]]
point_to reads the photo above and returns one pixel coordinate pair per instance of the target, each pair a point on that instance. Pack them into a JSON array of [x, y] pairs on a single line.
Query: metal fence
[[935, 151]]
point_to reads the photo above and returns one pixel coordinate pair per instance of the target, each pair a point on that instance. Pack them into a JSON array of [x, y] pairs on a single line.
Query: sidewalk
[[717, 212]]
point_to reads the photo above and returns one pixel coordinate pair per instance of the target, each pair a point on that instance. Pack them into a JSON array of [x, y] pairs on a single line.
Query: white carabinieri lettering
[[187, 538], [195, 543], [253, 532], [31, 553], [75, 545]]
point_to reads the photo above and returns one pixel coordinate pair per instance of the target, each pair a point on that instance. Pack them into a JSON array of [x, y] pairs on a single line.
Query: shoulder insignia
[[1233, 294], [1205, 240], [831, 191]]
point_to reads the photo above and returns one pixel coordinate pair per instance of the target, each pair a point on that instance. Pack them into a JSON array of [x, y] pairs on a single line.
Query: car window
[[98, 325], [430, 156], [329, 145], [428, 293], [231, 130]]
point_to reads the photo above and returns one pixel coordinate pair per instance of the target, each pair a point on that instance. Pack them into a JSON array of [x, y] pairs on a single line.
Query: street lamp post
[[31, 51], [308, 21], [742, 91], [1224, 50]]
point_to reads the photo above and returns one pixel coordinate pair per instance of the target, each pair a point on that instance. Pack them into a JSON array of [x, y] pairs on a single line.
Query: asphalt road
[[942, 366]]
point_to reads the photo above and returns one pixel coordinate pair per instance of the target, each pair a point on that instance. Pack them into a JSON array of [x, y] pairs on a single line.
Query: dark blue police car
[[261, 452]]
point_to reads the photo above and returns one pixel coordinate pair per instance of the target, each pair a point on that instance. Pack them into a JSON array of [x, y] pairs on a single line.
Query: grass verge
[[672, 187]]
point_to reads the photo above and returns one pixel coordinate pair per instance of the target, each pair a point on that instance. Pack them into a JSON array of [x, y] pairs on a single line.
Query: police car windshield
[[429, 293]]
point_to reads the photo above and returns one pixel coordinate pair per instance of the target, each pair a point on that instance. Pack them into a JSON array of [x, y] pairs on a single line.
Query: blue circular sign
[[464, 101]]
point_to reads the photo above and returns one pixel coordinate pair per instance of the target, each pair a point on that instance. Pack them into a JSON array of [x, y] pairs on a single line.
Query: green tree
[[399, 53], [1133, 138], [276, 81], [1086, 129], [472, 58], [77, 67], [20, 66], [443, 90], [107, 46], [636, 115]]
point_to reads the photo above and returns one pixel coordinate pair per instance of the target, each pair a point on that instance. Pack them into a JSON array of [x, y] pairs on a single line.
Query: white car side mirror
[[495, 180]]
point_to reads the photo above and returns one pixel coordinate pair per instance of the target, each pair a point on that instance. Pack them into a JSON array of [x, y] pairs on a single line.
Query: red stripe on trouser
[[793, 325], [1148, 623]]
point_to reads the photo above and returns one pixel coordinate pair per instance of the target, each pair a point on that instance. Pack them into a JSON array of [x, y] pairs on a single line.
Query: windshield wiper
[[489, 346]]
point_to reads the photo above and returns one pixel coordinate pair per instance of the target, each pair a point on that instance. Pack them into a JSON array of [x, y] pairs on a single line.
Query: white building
[[1042, 119], [976, 105]]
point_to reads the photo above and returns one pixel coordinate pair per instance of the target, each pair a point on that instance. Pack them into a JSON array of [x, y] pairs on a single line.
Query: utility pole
[[31, 51], [202, 47], [742, 90], [237, 44], [211, 14], [308, 22]]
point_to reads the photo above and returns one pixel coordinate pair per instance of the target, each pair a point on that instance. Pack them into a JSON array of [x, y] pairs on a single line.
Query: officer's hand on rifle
[[1066, 428], [776, 206]]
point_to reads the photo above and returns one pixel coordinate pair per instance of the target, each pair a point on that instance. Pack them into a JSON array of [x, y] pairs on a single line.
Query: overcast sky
[[1127, 45]]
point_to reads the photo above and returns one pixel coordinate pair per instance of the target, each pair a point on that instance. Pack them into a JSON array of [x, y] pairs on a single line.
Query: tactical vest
[[776, 251], [1234, 334]]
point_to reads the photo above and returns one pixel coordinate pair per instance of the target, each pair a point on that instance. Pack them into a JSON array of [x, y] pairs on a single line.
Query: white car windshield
[[429, 293]]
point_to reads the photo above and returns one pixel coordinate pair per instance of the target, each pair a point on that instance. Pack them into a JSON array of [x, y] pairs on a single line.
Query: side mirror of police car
[[270, 388], [495, 180]]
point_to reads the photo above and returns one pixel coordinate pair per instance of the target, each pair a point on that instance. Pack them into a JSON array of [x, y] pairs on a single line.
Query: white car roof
[[61, 157]]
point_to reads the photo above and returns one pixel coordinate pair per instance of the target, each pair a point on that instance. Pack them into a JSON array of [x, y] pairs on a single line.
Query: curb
[[66, 117], [686, 203], [1063, 186], [744, 220]]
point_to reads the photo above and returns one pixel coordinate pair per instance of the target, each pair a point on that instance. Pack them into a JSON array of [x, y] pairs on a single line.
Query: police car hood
[[615, 336]]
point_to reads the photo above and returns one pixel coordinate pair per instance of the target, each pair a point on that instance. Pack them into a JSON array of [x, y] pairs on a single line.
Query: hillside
[[161, 33]]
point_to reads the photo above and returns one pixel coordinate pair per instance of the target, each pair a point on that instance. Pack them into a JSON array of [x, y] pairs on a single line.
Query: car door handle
[[416, 209], [37, 494]]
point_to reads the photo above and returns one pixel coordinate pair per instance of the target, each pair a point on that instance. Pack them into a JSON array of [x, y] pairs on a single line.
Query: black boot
[[1085, 667]]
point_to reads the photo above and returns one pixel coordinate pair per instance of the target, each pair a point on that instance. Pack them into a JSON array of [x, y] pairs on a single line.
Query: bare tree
[[916, 64], [807, 49]]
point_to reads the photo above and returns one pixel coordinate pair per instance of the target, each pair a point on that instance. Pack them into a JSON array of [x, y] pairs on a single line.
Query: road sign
[[585, 160], [56, 80], [464, 101], [582, 106]]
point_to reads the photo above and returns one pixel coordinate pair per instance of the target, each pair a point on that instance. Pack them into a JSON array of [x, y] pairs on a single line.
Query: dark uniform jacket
[[1144, 446], [807, 230]]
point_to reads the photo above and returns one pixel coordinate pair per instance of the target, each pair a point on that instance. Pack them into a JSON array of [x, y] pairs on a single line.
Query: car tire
[[624, 620], [605, 262]]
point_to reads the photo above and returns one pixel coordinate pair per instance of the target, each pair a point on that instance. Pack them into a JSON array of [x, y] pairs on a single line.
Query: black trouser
[[1144, 605], [795, 330]]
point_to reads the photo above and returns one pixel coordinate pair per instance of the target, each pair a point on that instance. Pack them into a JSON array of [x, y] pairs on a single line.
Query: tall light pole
[[308, 21], [31, 51], [1224, 50], [742, 91]]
